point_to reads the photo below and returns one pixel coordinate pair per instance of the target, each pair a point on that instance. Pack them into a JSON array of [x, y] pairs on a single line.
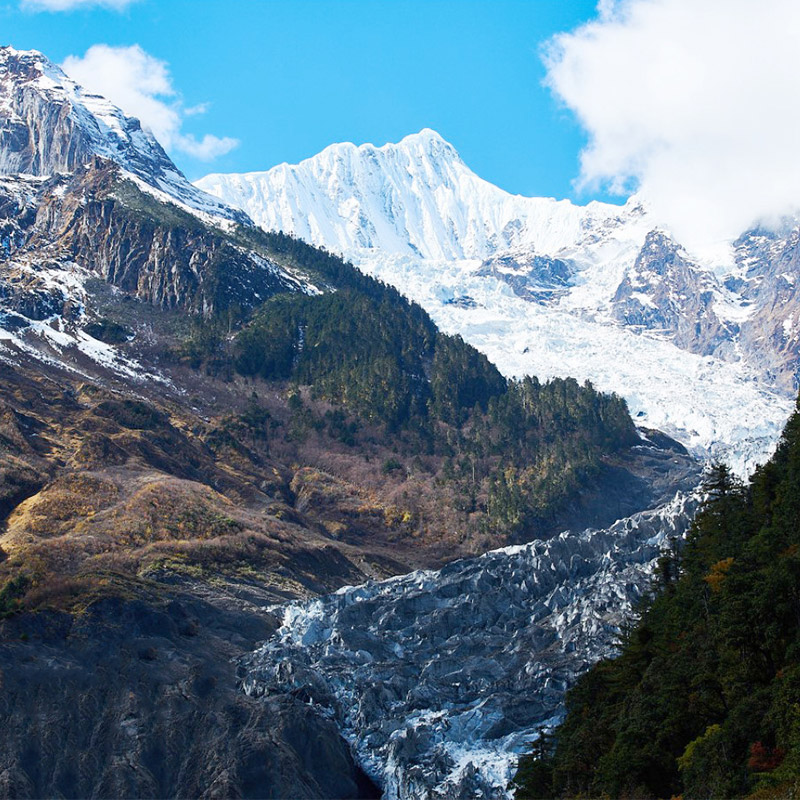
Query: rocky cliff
[[141, 699], [49, 125], [666, 293], [108, 226]]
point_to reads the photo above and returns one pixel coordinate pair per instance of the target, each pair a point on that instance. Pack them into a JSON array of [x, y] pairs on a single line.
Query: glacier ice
[[440, 678]]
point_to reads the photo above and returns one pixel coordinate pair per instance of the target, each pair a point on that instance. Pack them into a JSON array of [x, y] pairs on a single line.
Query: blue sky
[[287, 78]]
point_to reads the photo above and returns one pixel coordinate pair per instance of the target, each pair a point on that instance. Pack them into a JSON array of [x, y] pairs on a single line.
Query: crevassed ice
[[440, 678]]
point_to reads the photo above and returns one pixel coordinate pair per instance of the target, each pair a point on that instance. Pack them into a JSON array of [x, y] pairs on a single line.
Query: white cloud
[[693, 102], [200, 108], [69, 5], [208, 148], [141, 86]]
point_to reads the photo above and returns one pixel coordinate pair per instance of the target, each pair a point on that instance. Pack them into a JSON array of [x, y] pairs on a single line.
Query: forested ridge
[[324, 400], [704, 697], [513, 451]]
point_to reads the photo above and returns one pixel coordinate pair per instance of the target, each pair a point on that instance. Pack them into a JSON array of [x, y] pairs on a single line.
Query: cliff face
[[49, 125], [769, 281], [38, 135], [665, 292], [110, 227]]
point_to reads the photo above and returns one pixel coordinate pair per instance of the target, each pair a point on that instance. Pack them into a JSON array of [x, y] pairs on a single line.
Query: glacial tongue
[[439, 679]]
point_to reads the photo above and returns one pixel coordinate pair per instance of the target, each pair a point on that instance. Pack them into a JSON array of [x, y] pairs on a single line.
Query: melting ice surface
[[440, 678]]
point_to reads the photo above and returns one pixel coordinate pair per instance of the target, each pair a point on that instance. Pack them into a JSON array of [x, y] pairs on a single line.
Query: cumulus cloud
[[69, 5], [691, 102], [141, 86]]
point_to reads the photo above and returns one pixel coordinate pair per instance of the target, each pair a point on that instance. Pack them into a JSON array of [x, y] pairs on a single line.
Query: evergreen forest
[[704, 697], [363, 362]]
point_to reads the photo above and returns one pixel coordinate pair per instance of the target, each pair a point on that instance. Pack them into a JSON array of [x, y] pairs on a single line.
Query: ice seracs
[[440, 678]]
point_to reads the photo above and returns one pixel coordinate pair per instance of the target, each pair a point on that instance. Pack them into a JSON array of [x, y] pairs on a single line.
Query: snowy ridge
[[36, 100], [414, 198], [440, 679]]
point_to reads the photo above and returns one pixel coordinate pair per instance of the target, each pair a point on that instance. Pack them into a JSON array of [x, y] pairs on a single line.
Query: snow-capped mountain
[[706, 350], [87, 193], [414, 198], [100, 268], [49, 124]]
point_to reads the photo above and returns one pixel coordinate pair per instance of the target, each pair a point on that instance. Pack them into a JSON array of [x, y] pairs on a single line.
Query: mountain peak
[[426, 142], [431, 143], [426, 136], [10, 55], [49, 124], [415, 197]]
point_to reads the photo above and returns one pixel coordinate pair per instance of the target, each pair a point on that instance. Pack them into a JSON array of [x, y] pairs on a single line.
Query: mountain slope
[[600, 292], [49, 124], [702, 698], [200, 421]]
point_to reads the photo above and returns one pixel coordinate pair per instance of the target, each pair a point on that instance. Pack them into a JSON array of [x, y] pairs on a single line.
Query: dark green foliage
[[373, 354], [207, 345], [514, 451], [108, 331], [534, 779], [461, 379], [704, 699], [133, 414], [558, 433], [11, 595], [391, 465]]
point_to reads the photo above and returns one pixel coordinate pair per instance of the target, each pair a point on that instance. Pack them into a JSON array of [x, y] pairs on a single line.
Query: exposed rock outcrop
[[665, 292], [110, 227], [49, 125], [541, 279]]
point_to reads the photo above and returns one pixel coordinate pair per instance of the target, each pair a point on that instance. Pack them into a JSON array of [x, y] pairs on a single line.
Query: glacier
[[439, 679], [532, 281]]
